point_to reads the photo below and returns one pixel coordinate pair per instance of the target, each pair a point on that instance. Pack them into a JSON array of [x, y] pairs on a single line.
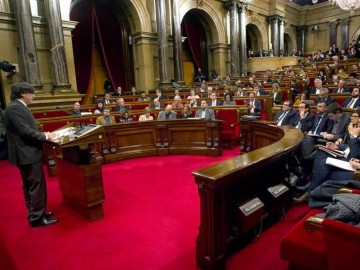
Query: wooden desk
[[225, 185], [159, 138]]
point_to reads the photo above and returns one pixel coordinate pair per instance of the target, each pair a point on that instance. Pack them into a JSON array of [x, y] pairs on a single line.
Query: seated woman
[[192, 94], [276, 94], [301, 98], [125, 117], [229, 100], [146, 116], [186, 112], [99, 107]]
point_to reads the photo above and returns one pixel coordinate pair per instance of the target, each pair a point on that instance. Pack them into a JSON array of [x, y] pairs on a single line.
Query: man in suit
[[341, 123], [324, 96], [156, 104], [205, 112], [120, 105], [286, 115], [168, 113], [341, 88], [76, 109], [214, 101], [304, 119], [322, 124], [106, 118], [253, 105], [318, 86], [354, 100], [258, 91], [159, 95], [199, 76], [25, 151]]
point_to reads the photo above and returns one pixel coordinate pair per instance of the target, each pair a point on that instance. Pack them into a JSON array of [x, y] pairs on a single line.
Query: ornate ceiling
[[307, 2]]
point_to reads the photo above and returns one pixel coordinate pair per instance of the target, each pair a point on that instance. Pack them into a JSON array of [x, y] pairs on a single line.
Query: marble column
[[243, 53], [58, 57], [274, 23], [301, 37], [232, 6], [345, 32], [162, 42], [177, 44], [333, 32], [4, 6], [281, 34], [27, 50]]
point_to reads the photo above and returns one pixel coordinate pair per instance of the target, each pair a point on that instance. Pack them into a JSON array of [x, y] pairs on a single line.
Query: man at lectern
[[25, 151]]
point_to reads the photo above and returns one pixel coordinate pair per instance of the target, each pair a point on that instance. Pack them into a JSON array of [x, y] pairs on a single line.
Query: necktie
[[334, 129], [282, 116], [317, 124], [351, 103]]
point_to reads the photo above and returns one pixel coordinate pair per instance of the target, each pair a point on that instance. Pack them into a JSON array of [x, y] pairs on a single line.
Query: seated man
[[157, 105], [107, 99], [253, 105], [354, 100], [143, 97], [341, 123], [324, 96], [323, 171], [76, 109], [304, 119], [318, 86], [342, 88], [214, 101], [106, 118], [159, 95], [286, 115], [120, 107], [205, 112], [168, 113]]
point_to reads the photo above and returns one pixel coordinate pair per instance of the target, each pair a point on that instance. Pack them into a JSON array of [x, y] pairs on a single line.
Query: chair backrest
[[342, 244]]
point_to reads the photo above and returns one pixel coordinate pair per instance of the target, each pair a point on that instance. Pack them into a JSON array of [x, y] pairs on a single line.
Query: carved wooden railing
[[225, 185]]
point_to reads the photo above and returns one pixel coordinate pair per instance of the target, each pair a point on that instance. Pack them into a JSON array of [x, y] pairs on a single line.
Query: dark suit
[[25, 151], [344, 90], [257, 106], [341, 126], [287, 119], [323, 171], [304, 124], [218, 103], [325, 124], [328, 100], [278, 97], [261, 92], [348, 100]]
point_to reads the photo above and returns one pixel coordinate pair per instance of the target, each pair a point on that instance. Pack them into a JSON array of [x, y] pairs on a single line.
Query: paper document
[[345, 165]]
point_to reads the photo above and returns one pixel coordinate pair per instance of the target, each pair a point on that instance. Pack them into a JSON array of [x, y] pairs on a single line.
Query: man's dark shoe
[[302, 199], [303, 188], [43, 222], [48, 214]]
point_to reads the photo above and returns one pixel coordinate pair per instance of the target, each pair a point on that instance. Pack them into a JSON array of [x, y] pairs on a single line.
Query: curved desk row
[[225, 186]]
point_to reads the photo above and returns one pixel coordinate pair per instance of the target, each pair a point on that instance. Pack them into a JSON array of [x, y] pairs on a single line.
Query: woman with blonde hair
[[276, 94], [146, 116]]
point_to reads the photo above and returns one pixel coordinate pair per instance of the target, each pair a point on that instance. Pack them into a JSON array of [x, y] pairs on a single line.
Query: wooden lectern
[[79, 169]]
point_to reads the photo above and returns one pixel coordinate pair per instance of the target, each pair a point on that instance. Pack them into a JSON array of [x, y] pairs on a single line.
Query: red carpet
[[151, 219]]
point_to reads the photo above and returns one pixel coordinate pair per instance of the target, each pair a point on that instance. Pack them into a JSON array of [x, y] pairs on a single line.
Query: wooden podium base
[[82, 188]]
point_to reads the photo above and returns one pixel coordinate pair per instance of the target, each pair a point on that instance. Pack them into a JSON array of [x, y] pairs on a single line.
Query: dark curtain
[[113, 43], [83, 42], [194, 39]]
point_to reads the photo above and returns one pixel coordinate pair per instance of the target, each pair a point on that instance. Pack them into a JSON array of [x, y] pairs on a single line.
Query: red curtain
[[112, 39], [83, 40], [194, 38]]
